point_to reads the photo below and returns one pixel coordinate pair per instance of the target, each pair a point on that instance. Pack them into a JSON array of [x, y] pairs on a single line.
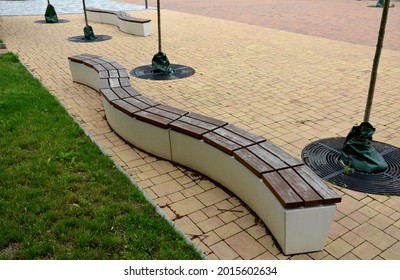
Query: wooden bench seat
[[295, 204], [125, 22]]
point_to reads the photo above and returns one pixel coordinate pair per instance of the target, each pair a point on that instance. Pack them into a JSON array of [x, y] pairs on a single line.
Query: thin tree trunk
[[375, 65]]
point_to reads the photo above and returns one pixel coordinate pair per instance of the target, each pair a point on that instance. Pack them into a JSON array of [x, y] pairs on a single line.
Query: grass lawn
[[60, 197]]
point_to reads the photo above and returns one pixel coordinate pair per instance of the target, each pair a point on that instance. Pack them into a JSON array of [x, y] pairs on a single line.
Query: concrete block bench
[[124, 21], [295, 204]]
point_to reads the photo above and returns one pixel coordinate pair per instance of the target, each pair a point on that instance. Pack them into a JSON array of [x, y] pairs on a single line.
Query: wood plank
[[206, 119], [233, 137], [103, 83], [172, 109], [131, 91], [120, 92], [108, 94], [244, 133], [282, 191], [114, 82], [152, 119], [138, 103], [220, 142], [303, 190], [162, 113], [252, 162], [124, 82], [188, 129], [147, 100], [328, 195], [284, 156], [198, 123], [267, 157], [125, 107]]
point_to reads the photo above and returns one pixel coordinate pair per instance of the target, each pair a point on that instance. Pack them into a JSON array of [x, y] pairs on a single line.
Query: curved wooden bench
[[124, 21], [295, 204]]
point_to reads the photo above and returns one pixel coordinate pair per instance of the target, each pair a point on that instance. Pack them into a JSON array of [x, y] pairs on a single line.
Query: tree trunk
[[375, 65]]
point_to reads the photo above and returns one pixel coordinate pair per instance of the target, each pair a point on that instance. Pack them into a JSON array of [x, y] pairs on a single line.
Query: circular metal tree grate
[[323, 157], [178, 72], [82, 39], [42, 21]]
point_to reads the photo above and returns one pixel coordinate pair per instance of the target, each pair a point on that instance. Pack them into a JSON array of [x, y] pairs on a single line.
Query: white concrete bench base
[[297, 228], [124, 22]]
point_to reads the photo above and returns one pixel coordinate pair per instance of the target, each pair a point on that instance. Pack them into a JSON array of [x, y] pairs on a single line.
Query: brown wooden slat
[[220, 142], [113, 73], [252, 162], [124, 82], [104, 83], [131, 91], [114, 82], [284, 156], [198, 123], [109, 94], [282, 191], [125, 107], [99, 67], [147, 100], [138, 103], [241, 141], [267, 157], [172, 109], [244, 133], [162, 113], [206, 119], [123, 73], [303, 190], [188, 129], [328, 195], [120, 92], [152, 119]]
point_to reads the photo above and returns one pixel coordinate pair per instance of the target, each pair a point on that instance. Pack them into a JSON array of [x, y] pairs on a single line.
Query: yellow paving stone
[[348, 223], [163, 166], [227, 216], [375, 236], [187, 206], [176, 197], [266, 256], [227, 230], [352, 238], [246, 222], [349, 256], [147, 174], [338, 248], [366, 251], [392, 253], [245, 245], [191, 191], [212, 196], [161, 178], [166, 188], [381, 221], [257, 231], [210, 224], [211, 211], [197, 216], [187, 226], [211, 238], [223, 251], [393, 232]]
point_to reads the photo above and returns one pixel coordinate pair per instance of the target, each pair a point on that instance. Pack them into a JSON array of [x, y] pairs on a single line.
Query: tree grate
[[323, 157]]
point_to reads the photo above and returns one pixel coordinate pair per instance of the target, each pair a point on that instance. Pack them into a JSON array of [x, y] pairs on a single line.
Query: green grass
[[60, 197]]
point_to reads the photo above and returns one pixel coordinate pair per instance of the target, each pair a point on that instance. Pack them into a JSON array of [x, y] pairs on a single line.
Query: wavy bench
[[295, 204], [124, 21]]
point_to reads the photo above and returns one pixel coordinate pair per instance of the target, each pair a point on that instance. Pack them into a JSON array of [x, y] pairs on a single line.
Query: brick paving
[[287, 87]]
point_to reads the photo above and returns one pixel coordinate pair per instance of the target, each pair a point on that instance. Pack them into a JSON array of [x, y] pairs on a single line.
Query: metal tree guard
[[87, 30], [160, 68], [50, 15], [358, 151]]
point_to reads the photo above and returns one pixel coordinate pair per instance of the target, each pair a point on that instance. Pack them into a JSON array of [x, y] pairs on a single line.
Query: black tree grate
[[323, 157]]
